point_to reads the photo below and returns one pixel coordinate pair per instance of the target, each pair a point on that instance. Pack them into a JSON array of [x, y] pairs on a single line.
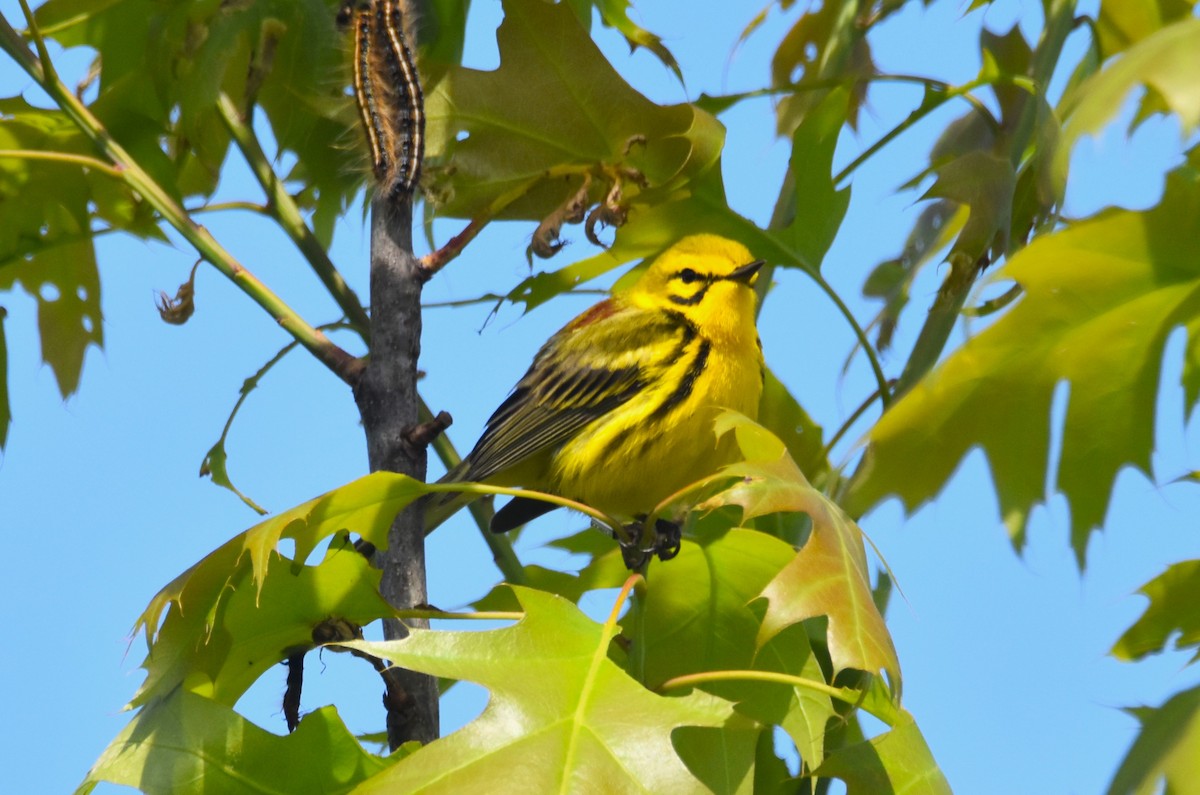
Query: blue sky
[[1004, 656]]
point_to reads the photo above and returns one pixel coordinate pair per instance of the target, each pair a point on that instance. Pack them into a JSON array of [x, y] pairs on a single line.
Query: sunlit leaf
[[235, 578], [559, 710], [896, 761], [829, 576], [221, 652], [162, 67], [1121, 24], [185, 743], [587, 120], [1101, 298], [1166, 752], [1165, 61], [615, 13], [1174, 596]]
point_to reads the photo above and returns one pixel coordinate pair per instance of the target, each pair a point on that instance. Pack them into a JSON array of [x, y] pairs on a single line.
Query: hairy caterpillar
[[387, 91]]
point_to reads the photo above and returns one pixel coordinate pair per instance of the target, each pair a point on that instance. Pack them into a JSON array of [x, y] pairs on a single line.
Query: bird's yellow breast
[[630, 460]]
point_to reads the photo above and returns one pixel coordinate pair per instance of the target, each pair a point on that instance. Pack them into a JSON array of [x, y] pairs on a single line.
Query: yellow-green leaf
[[1101, 297], [237, 577], [1167, 751], [829, 575], [1166, 61], [185, 743], [561, 717], [896, 761]]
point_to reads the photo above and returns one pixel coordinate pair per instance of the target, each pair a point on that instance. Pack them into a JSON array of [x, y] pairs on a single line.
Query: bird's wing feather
[[575, 379]]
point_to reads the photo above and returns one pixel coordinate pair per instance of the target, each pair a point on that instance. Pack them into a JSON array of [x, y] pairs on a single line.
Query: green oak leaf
[[183, 743], [46, 238], [1164, 61], [230, 583], [829, 575], [1174, 596], [818, 207], [615, 14], [1101, 297], [1121, 24], [896, 761], [586, 121], [561, 712], [700, 601], [219, 653], [1166, 751]]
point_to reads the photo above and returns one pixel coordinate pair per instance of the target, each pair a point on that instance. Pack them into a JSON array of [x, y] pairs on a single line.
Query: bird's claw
[[666, 543]]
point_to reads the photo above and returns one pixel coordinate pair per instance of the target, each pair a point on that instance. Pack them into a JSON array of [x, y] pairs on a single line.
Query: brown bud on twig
[[177, 310]]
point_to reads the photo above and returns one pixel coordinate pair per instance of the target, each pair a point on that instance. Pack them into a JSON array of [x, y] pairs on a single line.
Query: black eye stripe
[[689, 276]]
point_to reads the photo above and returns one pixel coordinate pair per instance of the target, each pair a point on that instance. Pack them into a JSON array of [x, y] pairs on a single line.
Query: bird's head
[[708, 279]]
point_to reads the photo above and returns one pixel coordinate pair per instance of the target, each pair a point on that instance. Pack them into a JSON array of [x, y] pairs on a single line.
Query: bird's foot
[[665, 543]]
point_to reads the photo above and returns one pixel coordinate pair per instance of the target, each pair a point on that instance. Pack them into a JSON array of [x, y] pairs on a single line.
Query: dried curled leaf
[[179, 309]]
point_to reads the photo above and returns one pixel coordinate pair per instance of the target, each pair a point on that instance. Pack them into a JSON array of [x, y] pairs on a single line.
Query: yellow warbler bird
[[617, 409]]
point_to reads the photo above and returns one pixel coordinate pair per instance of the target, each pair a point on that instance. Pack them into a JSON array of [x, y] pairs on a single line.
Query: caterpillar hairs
[[387, 90]]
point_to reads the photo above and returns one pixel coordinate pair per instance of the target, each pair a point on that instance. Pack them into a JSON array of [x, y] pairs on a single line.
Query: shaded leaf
[[1166, 751], [819, 206], [559, 709], [984, 182], [587, 120], [185, 743], [198, 603], [825, 42], [897, 761], [1174, 596], [801, 712], [829, 576], [1100, 299], [782, 415], [46, 237], [700, 601]]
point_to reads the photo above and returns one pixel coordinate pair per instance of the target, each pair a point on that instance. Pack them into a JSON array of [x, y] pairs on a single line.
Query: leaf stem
[[283, 209], [63, 157], [479, 488], [846, 695]]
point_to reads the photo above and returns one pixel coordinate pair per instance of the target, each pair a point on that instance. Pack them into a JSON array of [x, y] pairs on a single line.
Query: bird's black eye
[[687, 276]]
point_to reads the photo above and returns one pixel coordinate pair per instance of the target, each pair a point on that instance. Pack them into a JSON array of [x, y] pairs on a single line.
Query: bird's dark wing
[[582, 374]]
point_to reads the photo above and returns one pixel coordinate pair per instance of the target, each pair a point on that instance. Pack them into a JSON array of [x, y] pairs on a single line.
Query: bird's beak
[[746, 273]]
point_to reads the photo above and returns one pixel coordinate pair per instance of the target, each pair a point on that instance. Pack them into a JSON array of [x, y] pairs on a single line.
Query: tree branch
[[388, 403]]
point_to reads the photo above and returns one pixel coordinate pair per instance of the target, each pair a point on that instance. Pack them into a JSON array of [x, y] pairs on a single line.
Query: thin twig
[[283, 209]]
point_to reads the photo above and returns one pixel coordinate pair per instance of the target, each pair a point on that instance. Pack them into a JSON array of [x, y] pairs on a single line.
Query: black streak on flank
[[684, 390]]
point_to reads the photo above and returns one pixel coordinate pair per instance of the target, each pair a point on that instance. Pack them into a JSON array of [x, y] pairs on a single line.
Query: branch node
[[423, 434]]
